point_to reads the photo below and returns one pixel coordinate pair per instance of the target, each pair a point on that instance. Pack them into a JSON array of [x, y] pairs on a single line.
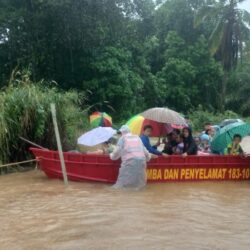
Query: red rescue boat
[[82, 167]]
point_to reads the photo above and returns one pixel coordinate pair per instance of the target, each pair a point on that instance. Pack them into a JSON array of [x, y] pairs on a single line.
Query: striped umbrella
[[100, 119], [164, 115], [137, 123], [226, 134]]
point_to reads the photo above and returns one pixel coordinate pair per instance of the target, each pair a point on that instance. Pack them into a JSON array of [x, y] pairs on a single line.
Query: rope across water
[[18, 163]]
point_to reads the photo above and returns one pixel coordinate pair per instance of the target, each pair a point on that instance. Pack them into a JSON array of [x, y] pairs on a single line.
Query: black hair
[[190, 136], [181, 136], [206, 132], [147, 127], [188, 129], [207, 124], [237, 136], [177, 131]]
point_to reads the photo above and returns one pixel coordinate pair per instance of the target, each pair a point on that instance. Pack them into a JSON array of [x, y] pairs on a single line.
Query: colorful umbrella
[[100, 119], [137, 123], [96, 136], [164, 115], [226, 134]]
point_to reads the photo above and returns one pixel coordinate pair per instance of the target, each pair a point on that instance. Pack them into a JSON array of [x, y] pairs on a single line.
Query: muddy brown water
[[38, 213]]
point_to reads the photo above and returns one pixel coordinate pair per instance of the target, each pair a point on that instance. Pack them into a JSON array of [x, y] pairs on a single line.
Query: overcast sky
[[246, 5]]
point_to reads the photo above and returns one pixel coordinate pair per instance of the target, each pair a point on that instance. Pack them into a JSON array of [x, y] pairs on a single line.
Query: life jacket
[[133, 148]]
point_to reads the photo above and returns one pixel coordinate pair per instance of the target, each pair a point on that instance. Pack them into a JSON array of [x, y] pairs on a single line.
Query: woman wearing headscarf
[[190, 147], [134, 156]]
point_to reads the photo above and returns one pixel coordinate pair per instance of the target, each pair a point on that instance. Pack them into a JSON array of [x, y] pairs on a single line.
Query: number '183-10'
[[237, 173]]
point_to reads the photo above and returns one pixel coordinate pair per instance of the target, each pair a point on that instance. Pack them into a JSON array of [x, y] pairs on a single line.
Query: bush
[[199, 117], [25, 111]]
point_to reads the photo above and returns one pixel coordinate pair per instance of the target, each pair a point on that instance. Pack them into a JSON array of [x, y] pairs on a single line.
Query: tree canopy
[[131, 55]]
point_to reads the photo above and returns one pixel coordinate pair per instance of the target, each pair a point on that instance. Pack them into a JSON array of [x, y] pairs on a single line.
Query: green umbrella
[[226, 134]]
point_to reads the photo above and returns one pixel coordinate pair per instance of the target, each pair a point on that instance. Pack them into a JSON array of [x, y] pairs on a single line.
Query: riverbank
[[39, 213]]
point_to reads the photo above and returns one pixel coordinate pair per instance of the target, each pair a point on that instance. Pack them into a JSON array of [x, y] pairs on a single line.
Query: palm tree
[[230, 30]]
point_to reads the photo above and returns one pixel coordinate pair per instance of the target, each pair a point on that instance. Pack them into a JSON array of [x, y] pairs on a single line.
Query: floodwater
[[38, 213]]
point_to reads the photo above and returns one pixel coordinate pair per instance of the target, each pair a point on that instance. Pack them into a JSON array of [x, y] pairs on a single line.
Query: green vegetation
[[25, 111], [132, 55], [125, 56], [200, 116]]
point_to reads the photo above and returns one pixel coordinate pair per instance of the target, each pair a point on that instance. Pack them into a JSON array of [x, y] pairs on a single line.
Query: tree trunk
[[223, 92]]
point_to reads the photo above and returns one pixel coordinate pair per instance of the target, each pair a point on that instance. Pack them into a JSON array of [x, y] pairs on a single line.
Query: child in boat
[[204, 146], [179, 148], [234, 148], [211, 133], [171, 142], [197, 140]]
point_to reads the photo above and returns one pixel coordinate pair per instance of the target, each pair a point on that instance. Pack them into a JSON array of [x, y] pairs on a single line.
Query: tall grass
[[25, 111]]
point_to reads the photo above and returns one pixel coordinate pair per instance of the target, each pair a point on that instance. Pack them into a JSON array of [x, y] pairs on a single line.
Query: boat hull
[[100, 168]]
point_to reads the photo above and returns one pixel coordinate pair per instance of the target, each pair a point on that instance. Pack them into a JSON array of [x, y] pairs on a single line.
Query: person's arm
[[147, 154], [116, 154], [146, 143], [157, 144]]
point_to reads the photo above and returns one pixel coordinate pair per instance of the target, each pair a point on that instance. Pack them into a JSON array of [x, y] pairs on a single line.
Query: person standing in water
[[134, 156]]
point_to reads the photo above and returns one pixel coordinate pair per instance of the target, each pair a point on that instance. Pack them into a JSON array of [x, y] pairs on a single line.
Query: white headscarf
[[124, 129]]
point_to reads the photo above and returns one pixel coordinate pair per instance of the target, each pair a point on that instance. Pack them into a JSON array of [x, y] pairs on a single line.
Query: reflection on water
[[38, 213]]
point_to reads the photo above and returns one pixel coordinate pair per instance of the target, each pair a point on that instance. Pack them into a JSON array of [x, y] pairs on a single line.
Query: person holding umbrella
[[134, 156]]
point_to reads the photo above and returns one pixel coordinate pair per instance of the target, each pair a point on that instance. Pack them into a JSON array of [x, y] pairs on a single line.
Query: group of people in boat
[[135, 151], [182, 142], [176, 143], [179, 142]]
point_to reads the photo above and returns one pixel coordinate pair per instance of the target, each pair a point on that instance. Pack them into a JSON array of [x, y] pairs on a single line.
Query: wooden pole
[[17, 163], [32, 143], [59, 145]]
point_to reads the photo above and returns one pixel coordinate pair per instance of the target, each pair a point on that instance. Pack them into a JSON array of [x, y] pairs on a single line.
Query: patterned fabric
[[179, 148], [205, 148], [230, 150]]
